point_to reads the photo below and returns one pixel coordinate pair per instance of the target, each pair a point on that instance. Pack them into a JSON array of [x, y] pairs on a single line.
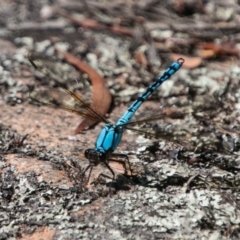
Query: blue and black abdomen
[[127, 116]]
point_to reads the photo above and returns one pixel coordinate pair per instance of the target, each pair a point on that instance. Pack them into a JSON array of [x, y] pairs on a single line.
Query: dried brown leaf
[[101, 99]]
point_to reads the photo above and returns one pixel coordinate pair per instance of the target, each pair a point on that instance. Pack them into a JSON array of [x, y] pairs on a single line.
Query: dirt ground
[[185, 167]]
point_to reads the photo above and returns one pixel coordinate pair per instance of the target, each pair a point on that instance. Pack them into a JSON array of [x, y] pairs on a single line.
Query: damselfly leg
[[115, 162]]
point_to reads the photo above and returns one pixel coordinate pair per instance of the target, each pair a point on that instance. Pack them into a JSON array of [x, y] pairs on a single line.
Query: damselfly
[[111, 135]]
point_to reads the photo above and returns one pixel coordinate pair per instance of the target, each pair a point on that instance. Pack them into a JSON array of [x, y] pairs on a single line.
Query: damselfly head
[[95, 157]]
